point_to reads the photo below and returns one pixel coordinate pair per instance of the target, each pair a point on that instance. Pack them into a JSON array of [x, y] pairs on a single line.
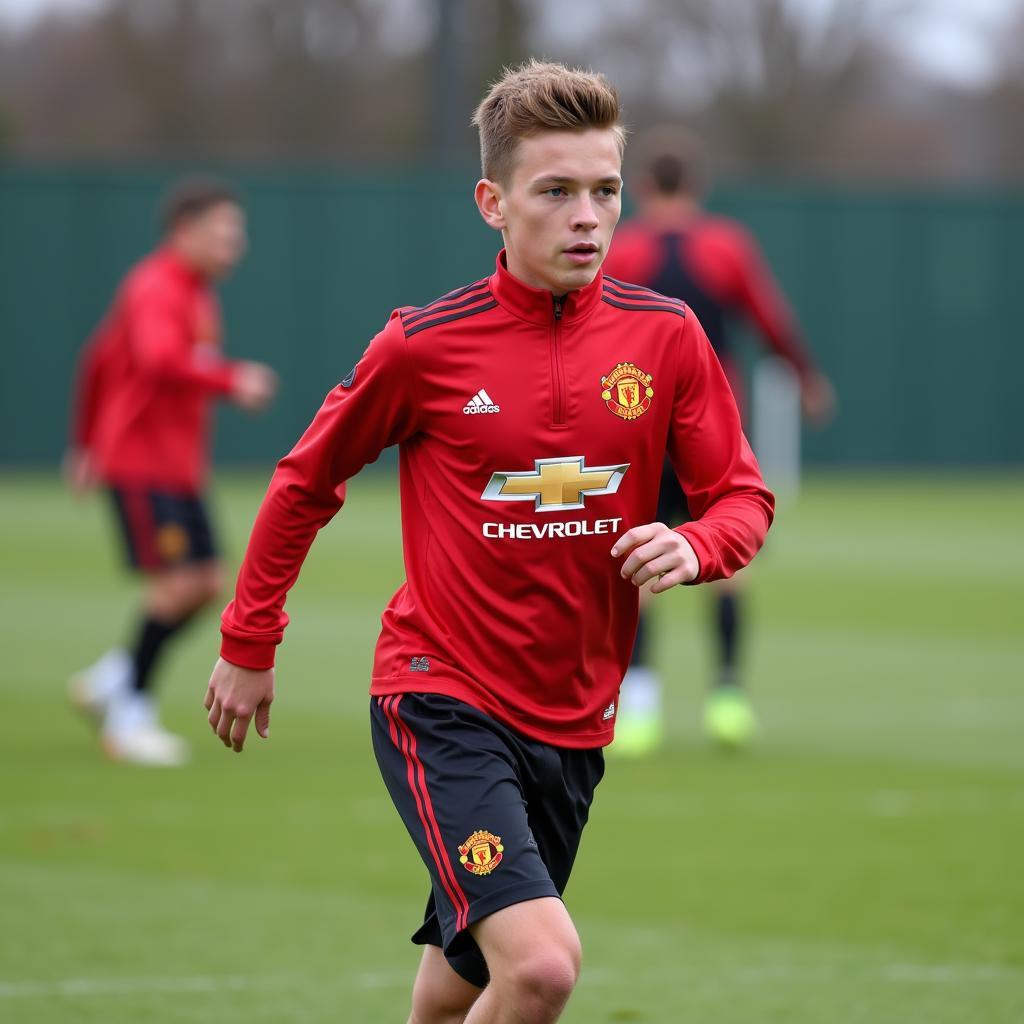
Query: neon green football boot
[[639, 726], [637, 736], [729, 719]]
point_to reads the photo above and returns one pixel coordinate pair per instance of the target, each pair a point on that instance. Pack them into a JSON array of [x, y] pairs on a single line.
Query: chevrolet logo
[[555, 485]]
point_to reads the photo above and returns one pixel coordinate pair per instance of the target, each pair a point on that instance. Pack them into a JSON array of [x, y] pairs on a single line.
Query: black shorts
[[496, 817], [672, 507], [162, 530]]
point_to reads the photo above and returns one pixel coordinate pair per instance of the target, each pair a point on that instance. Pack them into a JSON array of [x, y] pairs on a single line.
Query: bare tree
[[777, 87], [1007, 97]]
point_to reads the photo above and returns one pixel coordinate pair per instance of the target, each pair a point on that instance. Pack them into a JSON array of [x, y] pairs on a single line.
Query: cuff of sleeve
[[705, 555], [224, 378], [253, 654]]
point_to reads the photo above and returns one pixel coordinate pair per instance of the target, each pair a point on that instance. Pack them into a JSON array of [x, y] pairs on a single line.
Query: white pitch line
[[127, 986], [932, 974], [752, 974], [199, 984]]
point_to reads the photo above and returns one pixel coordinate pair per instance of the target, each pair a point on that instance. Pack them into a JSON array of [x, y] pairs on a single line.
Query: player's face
[[215, 240], [559, 207]]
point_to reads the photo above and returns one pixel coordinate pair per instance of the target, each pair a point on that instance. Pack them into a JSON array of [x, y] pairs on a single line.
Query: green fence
[[909, 299]]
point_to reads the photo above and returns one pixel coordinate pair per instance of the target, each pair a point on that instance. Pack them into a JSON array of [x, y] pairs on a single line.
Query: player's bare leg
[[533, 954], [439, 994], [173, 594]]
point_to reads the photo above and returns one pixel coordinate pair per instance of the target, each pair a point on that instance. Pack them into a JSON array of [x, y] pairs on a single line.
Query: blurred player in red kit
[[145, 385], [713, 264]]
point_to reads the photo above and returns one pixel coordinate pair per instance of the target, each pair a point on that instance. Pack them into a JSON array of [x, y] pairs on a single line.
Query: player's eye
[[607, 191], [556, 192]]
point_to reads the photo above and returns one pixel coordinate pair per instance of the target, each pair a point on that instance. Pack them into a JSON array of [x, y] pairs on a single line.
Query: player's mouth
[[583, 253]]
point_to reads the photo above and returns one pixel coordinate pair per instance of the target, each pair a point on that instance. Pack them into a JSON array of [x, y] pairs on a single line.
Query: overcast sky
[[949, 38]]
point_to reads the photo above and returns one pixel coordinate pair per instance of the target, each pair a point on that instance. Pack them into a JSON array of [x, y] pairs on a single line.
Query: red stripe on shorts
[[418, 784], [142, 528]]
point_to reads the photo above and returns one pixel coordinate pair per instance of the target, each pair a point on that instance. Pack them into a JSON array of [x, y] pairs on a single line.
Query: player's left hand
[[235, 697], [653, 551], [817, 399]]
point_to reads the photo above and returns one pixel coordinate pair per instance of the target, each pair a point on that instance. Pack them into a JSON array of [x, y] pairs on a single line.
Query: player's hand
[[817, 399], [254, 386], [235, 697], [79, 471], [656, 551]]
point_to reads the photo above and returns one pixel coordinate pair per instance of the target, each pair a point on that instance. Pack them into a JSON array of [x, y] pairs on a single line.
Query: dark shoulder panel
[[462, 302], [623, 295]]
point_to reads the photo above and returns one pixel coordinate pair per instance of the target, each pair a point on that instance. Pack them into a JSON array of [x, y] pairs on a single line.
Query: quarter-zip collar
[[537, 305], [177, 266]]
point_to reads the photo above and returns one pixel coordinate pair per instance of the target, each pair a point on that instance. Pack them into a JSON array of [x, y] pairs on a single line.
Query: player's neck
[[666, 213], [188, 264]]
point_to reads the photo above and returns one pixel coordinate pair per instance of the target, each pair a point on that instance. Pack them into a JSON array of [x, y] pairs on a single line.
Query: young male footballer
[[144, 391], [532, 410]]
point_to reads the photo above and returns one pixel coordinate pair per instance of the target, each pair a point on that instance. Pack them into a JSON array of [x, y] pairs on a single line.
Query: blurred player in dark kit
[[712, 263], [146, 382]]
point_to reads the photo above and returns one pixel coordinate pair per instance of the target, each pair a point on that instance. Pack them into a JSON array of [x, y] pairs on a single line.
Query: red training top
[[146, 378], [531, 434], [714, 265]]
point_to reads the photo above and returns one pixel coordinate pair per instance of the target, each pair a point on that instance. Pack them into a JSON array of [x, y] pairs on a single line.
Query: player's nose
[[584, 215]]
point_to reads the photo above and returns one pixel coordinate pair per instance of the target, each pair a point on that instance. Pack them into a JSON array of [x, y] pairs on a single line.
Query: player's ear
[[488, 201]]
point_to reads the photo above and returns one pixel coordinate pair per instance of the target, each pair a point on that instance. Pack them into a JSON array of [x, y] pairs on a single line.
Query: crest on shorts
[[481, 853], [172, 542], [627, 391]]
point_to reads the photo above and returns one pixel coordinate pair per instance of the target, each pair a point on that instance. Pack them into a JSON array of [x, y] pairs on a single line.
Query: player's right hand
[[235, 697], [254, 386], [79, 471]]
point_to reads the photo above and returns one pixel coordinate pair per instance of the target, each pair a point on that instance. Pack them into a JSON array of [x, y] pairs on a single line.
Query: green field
[[864, 864]]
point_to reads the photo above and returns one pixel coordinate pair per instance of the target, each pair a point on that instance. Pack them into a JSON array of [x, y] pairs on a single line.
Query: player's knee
[[212, 584], [199, 586], [545, 978]]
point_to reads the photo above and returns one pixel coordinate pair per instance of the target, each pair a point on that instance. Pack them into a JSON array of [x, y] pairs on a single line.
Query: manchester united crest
[[481, 853], [172, 542], [627, 391]]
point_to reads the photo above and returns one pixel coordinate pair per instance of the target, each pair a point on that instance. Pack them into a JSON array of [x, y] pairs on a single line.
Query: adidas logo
[[481, 402], [609, 712]]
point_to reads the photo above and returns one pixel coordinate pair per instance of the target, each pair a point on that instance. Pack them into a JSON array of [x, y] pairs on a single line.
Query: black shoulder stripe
[[626, 284], [661, 308], [426, 324], [438, 307], [450, 296], [636, 292]]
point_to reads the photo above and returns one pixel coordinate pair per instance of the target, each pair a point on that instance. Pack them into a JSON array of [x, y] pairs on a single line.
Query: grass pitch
[[862, 864]]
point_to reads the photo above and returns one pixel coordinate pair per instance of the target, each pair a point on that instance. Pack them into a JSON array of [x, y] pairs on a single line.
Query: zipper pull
[[558, 306]]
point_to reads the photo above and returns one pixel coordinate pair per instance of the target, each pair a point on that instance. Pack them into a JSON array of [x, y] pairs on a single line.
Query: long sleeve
[[758, 296], [730, 505], [88, 392], [163, 344], [372, 409]]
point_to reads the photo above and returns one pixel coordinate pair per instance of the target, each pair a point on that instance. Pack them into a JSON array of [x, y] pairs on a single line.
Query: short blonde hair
[[539, 95]]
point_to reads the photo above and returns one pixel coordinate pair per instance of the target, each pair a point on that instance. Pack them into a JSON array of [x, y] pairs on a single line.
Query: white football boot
[[94, 689], [132, 732]]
